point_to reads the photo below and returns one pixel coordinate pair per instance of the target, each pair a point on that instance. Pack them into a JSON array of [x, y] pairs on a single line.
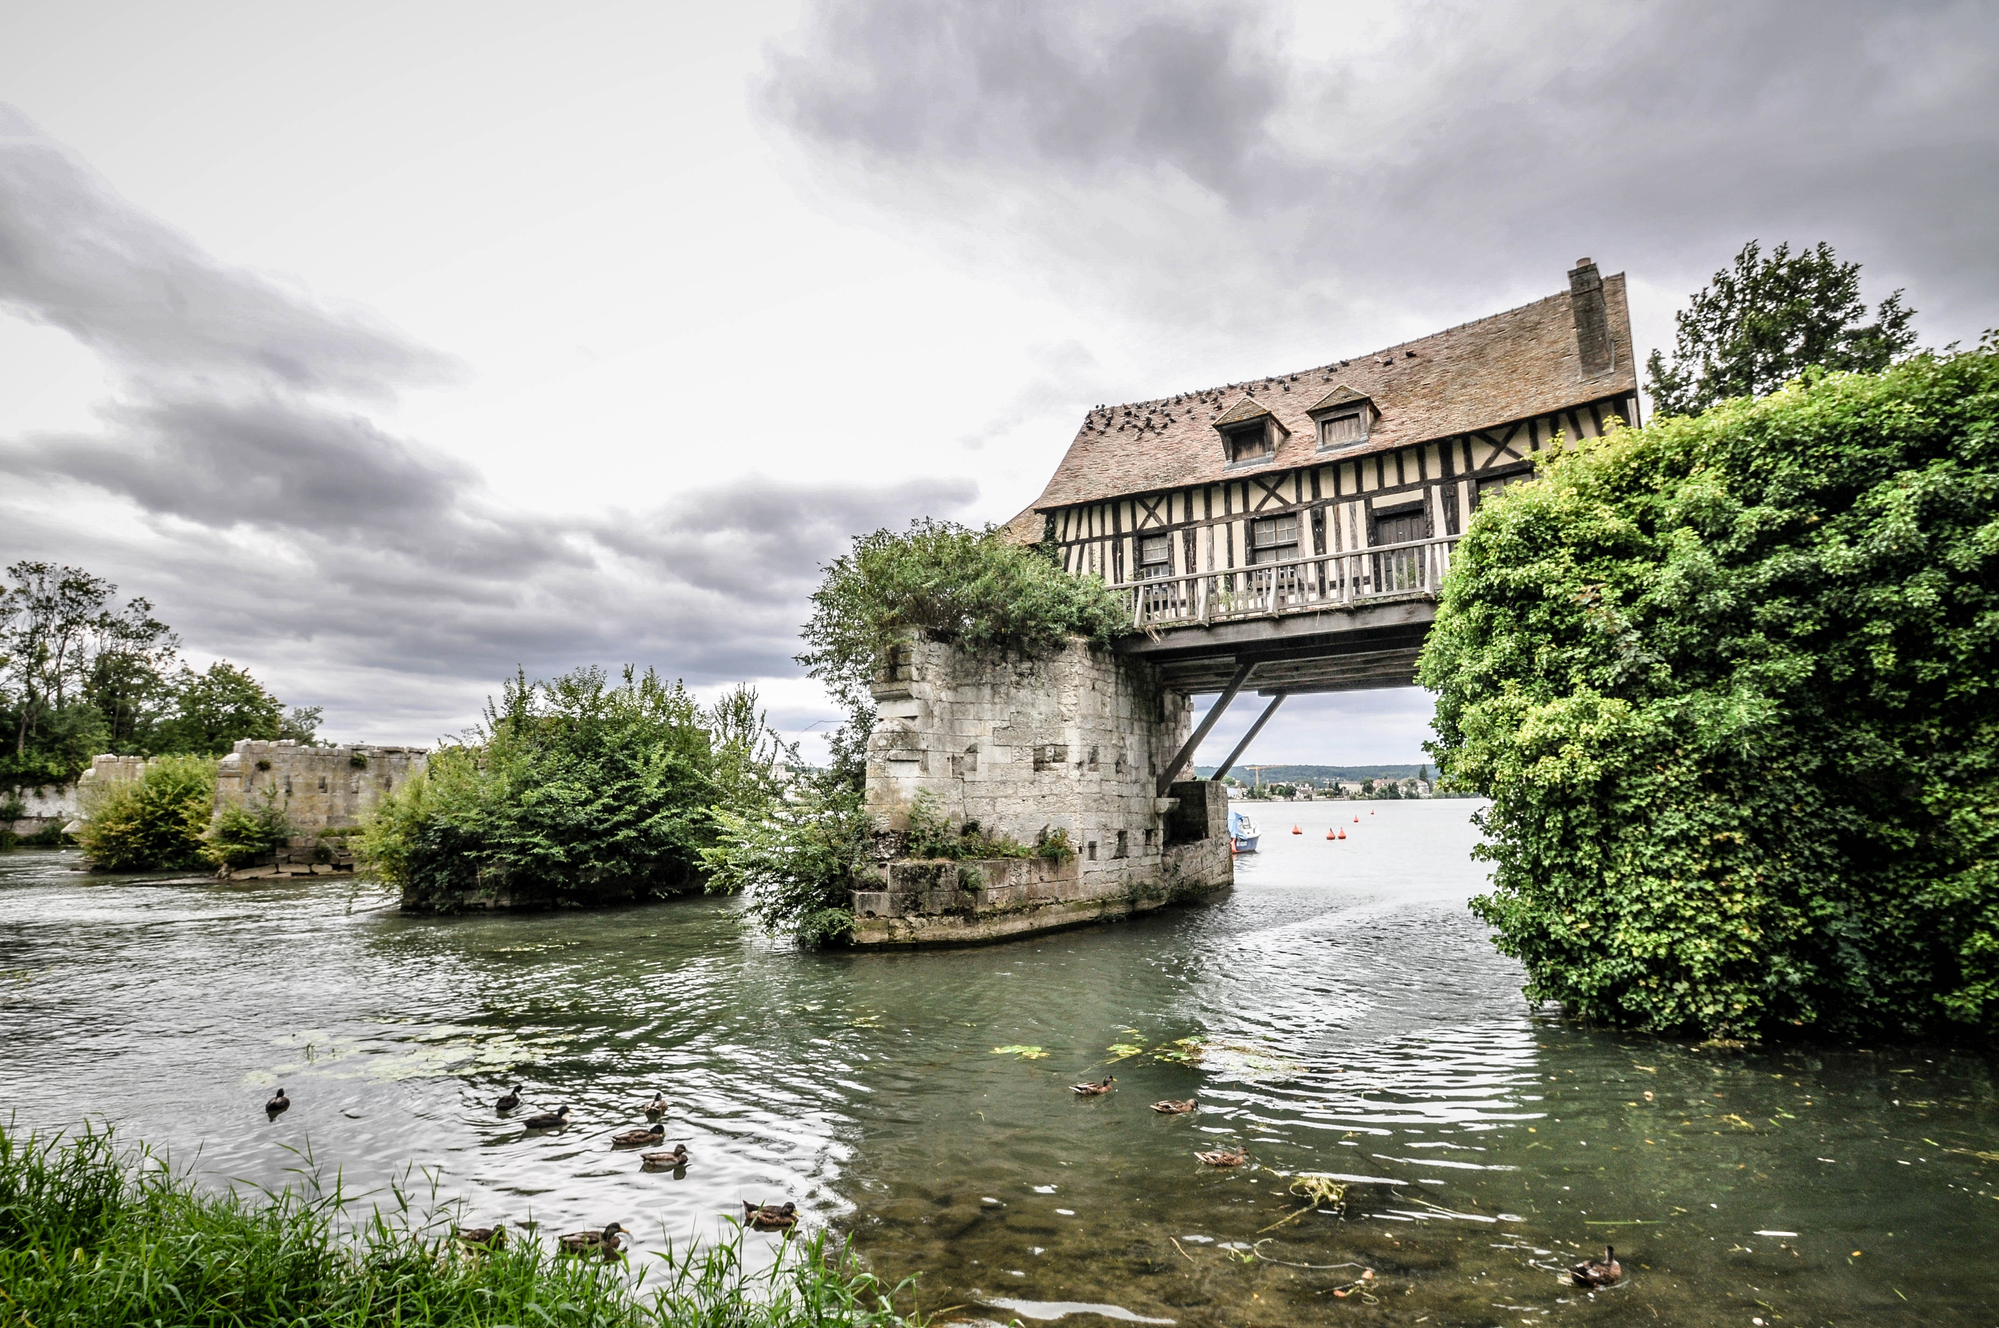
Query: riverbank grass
[[93, 1236]]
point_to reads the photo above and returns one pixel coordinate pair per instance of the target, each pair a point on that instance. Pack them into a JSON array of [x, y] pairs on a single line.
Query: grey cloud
[[76, 255], [1297, 182]]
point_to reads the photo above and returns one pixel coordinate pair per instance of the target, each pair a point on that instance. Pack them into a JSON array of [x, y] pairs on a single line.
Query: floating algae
[[1317, 1189], [1025, 1053]]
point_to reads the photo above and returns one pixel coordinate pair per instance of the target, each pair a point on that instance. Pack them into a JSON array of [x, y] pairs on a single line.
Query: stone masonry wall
[[321, 788], [1072, 741]]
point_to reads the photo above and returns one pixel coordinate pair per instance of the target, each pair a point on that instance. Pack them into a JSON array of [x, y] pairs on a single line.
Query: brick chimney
[[1593, 345]]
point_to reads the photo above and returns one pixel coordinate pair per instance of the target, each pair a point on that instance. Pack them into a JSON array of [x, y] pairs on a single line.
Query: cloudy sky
[[388, 346]]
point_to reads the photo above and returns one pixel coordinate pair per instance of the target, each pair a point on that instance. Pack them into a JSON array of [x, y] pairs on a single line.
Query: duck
[[1096, 1089], [651, 1134], [550, 1120], [279, 1102], [509, 1099], [665, 1161], [483, 1238], [584, 1242], [656, 1108], [1593, 1273], [771, 1217], [1170, 1107], [1224, 1158]]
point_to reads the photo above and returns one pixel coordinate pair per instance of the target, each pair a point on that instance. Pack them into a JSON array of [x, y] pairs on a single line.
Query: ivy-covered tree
[[1732, 685], [1766, 320]]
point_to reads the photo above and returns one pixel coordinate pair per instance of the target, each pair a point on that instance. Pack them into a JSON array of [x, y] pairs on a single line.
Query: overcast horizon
[[387, 350]]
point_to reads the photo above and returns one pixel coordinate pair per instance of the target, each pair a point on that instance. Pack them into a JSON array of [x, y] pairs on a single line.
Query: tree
[[1763, 323], [216, 707], [1732, 685]]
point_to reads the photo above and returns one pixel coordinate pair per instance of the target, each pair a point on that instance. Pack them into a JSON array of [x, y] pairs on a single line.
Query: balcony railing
[[1295, 585]]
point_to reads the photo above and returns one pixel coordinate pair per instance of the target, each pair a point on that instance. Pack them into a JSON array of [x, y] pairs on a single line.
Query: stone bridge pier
[[1063, 746]]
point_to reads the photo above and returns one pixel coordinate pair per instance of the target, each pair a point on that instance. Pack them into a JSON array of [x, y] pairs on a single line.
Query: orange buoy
[[1356, 818], [1343, 834], [1329, 834], [1296, 831]]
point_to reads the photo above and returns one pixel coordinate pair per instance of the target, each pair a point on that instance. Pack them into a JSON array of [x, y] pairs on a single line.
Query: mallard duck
[[509, 1099], [656, 1108], [665, 1161], [584, 1242], [1169, 1107], [1595, 1273], [1096, 1089], [771, 1217], [550, 1120], [484, 1238], [651, 1134], [279, 1102], [1224, 1157]]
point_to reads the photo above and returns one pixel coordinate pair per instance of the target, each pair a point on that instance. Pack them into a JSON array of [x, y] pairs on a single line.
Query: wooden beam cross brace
[[1276, 700], [1181, 757]]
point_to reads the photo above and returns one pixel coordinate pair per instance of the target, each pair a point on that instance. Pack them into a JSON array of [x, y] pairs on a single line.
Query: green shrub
[[241, 835], [155, 822], [796, 859], [931, 835], [974, 587], [576, 790], [93, 1239], [1730, 684]]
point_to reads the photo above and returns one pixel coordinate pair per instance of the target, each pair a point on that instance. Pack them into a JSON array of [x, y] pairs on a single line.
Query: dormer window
[[1345, 419], [1250, 433]]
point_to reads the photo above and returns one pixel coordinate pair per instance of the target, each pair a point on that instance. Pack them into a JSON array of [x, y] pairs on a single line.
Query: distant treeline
[[1318, 774]]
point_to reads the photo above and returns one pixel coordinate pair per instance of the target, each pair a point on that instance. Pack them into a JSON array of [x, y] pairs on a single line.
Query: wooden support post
[[1248, 737], [1186, 752]]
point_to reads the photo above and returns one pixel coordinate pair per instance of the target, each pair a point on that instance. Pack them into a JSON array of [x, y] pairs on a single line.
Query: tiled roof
[[1507, 367]]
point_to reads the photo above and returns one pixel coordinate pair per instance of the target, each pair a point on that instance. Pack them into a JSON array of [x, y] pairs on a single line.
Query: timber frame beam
[[1186, 752]]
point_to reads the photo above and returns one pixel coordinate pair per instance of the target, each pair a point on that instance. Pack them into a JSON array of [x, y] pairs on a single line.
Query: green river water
[[1353, 1020]]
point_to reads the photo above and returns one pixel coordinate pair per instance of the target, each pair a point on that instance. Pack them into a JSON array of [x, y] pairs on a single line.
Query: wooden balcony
[[1296, 585]]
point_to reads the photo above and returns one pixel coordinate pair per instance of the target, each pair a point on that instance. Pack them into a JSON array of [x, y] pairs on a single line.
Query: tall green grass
[[91, 1236]]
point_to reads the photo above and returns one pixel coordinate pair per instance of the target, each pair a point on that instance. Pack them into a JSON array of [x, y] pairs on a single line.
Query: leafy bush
[[931, 835], [975, 587], [796, 859], [1730, 683], [92, 1239], [575, 790], [241, 835], [154, 822]]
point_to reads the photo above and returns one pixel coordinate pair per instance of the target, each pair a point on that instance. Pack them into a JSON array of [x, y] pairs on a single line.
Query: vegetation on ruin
[[81, 675], [578, 789], [240, 835], [153, 823], [1732, 685], [977, 588], [91, 1237], [1765, 320]]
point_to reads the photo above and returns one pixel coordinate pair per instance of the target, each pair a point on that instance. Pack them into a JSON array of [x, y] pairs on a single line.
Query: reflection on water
[[1340, 1014]]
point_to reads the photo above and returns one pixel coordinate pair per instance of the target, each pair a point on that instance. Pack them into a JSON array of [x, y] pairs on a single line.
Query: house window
[[1273, 539], [1249, 442], [1155, 556], [1339, 430], [1123, 844]]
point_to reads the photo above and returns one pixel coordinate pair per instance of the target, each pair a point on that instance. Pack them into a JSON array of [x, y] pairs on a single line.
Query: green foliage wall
[[1730, 683], [575, 790]]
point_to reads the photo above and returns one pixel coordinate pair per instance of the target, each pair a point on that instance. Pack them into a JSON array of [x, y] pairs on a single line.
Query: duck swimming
[[583, 1242], [665, 1161], [771, 1217], [1170, 1107], [656, 1108], [1096, 1089], [484, 1238], [550, 1120], [1224, 1158], [1594, 1273], [633, 1138], [279, 1102], [509, 1099]]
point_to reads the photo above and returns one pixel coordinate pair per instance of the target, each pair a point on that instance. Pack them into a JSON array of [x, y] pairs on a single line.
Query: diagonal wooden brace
[[1249, 737], [1181, 757]]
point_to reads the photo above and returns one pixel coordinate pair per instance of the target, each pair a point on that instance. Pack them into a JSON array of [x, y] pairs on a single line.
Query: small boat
[[1242, 832]]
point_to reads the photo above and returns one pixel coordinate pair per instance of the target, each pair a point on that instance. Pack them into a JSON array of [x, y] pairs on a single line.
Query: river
[[1340, 1013]]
